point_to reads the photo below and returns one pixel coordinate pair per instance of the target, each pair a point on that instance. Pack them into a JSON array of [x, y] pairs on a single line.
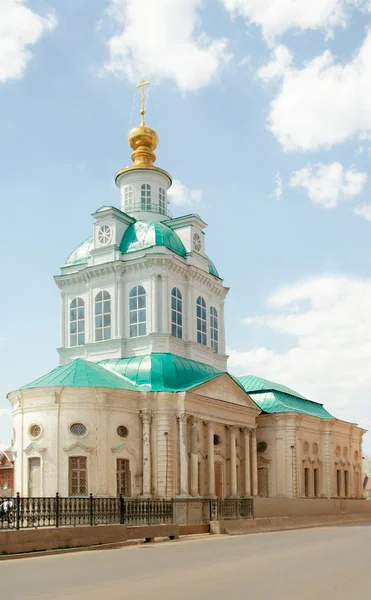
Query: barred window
[[137, 311], [78, 476], [77, 322], [201, 321], [176, 313], [102, 316], [145, 196], [214, 332], [128, 197], [162, 200], [123, 477]]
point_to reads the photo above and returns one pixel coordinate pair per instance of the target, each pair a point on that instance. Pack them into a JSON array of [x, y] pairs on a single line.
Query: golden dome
[[143, 141]]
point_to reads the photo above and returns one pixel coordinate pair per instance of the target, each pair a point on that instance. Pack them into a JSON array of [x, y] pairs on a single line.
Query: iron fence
[[23, 513]]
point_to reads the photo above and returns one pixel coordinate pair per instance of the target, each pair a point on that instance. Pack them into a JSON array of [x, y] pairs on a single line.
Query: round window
[[197, 242], [78, 429], [35, 431], [104, 234], [261, 446], [122, 431], [217, 440], [306, 447]]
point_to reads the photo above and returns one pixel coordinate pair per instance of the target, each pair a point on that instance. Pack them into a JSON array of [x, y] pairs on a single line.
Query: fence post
[[91, 509], [57, 509], [122, 510], [18, 511], [148, 516]]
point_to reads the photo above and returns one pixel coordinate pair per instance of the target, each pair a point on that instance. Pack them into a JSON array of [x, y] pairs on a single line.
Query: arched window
[[137, 311], [145, 196], [128, 197], [176, 313], [201, 321], [102, 316], [214, 334], [77, 322], [162, 200]]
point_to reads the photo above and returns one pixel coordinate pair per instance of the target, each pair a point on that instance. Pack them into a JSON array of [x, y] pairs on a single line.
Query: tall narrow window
[[338, 482], [137, 311], [346, 483], [122, 477], [77, 322], [78, 476], [102, 316], [306, 482], [201, 321], [214, 333], [128, 197], [145, 196], [176, 313], [162, 200], [315, 482]]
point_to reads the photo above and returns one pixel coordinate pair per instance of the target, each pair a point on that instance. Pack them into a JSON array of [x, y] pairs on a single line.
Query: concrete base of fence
[[28, 540], [244, 526]]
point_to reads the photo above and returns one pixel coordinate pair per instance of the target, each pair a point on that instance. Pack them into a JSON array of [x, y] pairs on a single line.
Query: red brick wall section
[[6, 478]]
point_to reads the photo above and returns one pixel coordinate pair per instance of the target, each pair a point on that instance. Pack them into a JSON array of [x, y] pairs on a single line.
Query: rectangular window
[[346, 483], [123, 477], [315, 483], [306, 482], [338, 482], [78, 476]]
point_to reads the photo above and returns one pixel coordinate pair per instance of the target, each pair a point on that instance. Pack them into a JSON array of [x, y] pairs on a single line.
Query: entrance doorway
[[263, 489], [34, 477]]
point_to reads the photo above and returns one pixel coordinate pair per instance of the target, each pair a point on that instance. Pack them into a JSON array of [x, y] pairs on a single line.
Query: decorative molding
[[122, 447], [77, 445], [34, 446]]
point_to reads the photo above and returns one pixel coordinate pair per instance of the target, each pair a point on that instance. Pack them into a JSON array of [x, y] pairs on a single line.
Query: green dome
[[145, 234], [80, 254], [212, 268], [161, 372]]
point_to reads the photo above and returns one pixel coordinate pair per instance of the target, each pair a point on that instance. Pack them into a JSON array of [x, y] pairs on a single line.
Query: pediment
[[77, 445], [225, 388], [34, 447]]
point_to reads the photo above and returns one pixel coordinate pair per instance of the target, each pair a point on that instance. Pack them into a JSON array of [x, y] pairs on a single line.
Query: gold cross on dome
[[141, 84]]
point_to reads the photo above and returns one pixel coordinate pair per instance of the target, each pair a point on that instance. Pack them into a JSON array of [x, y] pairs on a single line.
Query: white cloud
[[327, 321], [327, 184], [181, 195], [278, 187], [163, 39], [363, 211], [325, 102], [275, 69], [20, 28], [275, 17]]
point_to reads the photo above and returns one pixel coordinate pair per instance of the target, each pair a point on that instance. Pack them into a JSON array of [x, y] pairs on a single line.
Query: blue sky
[[264, 118]]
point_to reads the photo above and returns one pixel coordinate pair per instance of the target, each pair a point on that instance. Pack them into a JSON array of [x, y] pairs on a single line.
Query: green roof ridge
[[146, 234]]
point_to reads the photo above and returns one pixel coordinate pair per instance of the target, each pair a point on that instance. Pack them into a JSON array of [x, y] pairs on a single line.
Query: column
[[165, 304], [194, 458], [254, 459], [183, 455], [154, 324], [210, 459], [120, 308], [64, 335], [190, 313], [246, 435], [146, 420], [232, 443]]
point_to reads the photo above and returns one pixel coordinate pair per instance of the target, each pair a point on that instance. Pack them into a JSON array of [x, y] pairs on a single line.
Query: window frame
[[102, 298], [77, 304], [214, 329], [79, 470], [176, 313], [162, 200], [201, 321], [128, 197], [145, 196], [137, 324]]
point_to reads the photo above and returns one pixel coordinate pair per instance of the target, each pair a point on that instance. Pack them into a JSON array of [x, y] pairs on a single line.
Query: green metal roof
[[273, 397], [80, 254], [81, 373], [278, 402], [212, 268], [251, 383], [162, 372], [145, 234]]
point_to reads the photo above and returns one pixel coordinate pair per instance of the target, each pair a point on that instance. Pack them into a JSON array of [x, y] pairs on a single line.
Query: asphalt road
[[325, 563]]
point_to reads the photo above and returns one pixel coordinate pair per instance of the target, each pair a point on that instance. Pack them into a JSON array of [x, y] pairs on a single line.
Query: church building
[[141, 403]]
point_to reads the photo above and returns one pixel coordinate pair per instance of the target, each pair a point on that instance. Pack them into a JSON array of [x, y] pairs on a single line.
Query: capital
[[146, 417], [183, 418]]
